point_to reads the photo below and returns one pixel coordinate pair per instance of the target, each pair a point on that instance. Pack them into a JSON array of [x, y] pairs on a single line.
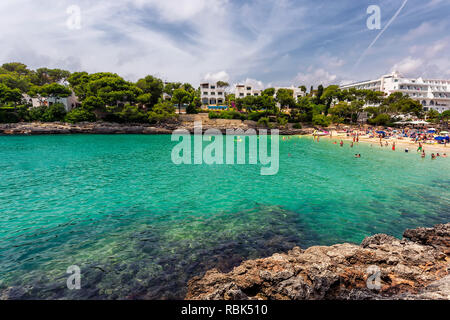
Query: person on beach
[[393, 146], [420, 148], [357, 138], [423, 154]]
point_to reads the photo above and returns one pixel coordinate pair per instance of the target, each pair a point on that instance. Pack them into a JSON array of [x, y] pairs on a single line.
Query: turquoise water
[[141, 227]]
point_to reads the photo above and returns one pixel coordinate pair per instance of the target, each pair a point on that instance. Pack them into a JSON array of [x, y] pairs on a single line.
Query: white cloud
[[408, 66], [315, 77], [218, 76]]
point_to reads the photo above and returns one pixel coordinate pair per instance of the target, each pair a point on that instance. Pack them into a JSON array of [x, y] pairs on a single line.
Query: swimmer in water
[[433, 156], [444, 155], [342, 143]]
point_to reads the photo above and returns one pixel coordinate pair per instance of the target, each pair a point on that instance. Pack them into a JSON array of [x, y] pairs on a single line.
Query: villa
[[69, 102], [431, 93], [213, 96]]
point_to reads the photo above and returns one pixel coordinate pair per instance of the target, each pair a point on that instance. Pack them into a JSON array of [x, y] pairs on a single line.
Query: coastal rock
[[382, 267]]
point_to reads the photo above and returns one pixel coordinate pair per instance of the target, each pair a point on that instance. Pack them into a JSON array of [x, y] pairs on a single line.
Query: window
[[249, 88]]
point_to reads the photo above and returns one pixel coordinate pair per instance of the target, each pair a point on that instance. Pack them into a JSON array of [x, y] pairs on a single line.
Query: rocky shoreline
[[416, 267], [185, 122]]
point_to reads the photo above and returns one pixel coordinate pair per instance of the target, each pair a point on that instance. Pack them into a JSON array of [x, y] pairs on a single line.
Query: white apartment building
[[431, 93], [211, 94]]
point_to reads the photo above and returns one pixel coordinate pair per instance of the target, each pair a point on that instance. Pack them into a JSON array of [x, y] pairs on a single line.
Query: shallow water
[[140, 226]]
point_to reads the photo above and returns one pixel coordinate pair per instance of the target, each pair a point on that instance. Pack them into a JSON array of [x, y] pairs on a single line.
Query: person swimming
[[444, 155], [423, 154], [341, 143], [406, 150], [433, 156]]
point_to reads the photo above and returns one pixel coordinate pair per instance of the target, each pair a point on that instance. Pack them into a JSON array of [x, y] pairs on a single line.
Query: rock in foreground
[[416, 267]]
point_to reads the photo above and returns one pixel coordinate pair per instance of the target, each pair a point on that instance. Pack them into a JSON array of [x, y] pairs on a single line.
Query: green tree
[[80, 115], [179, 97], [9, 96], [285, 97], [152, 88], [161, 112], [269, 92]]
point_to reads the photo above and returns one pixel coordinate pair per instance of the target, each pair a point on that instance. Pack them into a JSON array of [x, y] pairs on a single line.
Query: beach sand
[[400, 144]]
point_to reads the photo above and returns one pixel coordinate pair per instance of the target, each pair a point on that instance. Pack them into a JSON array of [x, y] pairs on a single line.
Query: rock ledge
[[416, 267]]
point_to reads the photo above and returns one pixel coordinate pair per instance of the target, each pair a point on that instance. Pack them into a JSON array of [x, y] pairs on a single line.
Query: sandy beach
[[400, 144]]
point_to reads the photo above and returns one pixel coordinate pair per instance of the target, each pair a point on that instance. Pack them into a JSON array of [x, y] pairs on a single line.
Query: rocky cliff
[[183, 122], [382, 267]]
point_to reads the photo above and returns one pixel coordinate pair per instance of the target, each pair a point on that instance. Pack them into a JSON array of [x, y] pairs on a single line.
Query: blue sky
[[261, 42]]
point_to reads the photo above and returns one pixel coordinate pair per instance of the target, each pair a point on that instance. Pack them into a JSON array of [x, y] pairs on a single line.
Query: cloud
[[408, 66], [188, 40], [315, 77], [215, 77]]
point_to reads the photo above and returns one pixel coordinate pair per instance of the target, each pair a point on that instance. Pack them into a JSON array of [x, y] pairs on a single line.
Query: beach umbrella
[[439, 138], [444, 132]]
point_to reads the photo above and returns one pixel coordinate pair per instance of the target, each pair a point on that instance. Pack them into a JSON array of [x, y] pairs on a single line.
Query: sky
[[264, 43]]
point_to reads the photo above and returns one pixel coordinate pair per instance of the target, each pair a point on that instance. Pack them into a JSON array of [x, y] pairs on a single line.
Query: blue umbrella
[[441, 138]]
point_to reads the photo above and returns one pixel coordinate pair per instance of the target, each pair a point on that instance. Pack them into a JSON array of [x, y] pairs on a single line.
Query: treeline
[[107, 96], [102, 96], [325, 106]]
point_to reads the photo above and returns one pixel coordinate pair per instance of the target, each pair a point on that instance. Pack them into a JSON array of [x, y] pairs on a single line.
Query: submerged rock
[[382, 267]]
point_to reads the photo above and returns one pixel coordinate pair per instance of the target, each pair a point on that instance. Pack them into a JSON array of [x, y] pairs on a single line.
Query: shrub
[[282, 121], [229, 114], [264, 122], [321, 120], [80, 115], [380, 120], [256, 115], [55, 112], [131, 113], [8, 117], [298, 125], [163, 111]]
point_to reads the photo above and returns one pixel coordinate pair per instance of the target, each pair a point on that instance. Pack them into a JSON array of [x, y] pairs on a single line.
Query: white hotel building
[[212, 95], [431, 93]]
